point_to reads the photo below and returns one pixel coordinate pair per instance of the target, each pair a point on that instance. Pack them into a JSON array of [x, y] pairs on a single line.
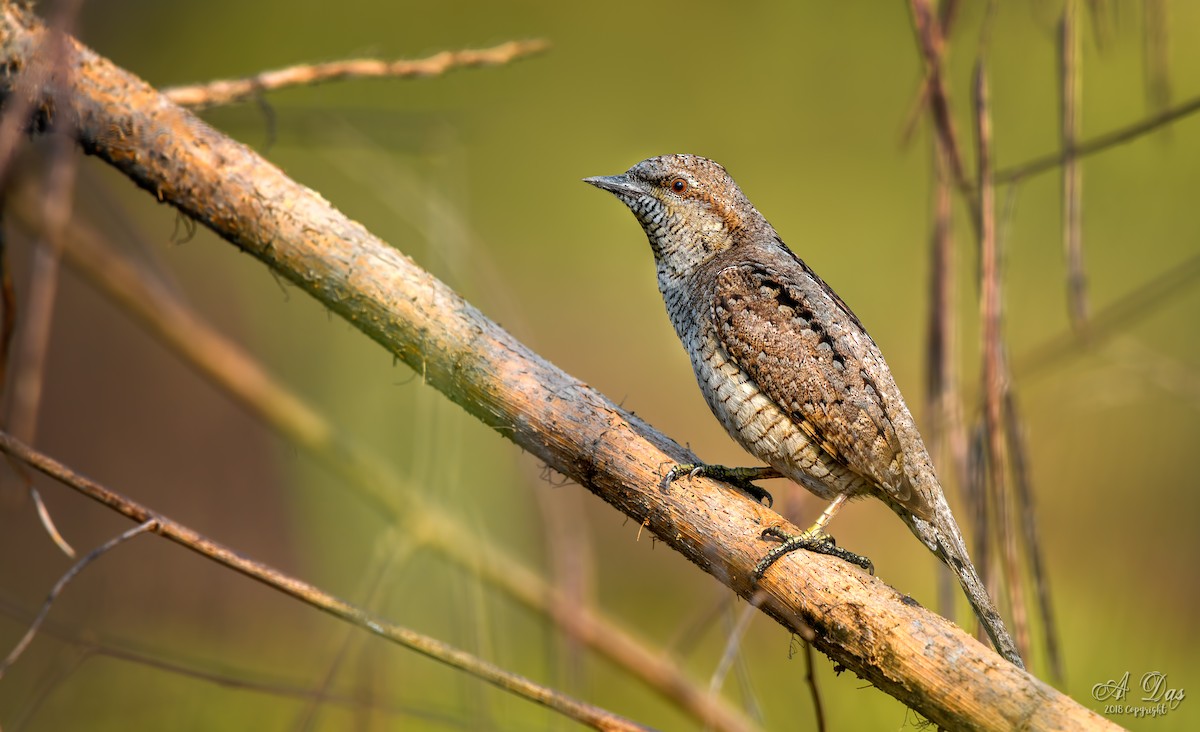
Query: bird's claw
[[677, 472], [812, 540], [739, 478]]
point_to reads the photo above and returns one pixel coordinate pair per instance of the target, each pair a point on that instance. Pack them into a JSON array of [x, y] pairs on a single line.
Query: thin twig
[[44, 515], [989, 290], [975, 491], [1070, 93], [1111, 319], [231, 91], [146, 525], [688, 631], [1147, 362], [931, 42], [733, 648], [995, 375], [391, 549], [1021, 490], [1099, 143], [810, 679], [947, 438], [315, 597], [947, 14], [1026, 506]]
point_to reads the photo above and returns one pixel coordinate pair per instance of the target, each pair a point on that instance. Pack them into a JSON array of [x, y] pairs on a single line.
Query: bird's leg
[[814, 540], [740, 478]]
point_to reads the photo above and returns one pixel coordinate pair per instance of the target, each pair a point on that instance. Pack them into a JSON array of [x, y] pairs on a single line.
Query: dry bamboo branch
[[946, 432], [231, 91], [995, 377], [931, 41], [932, 45], [594, 717], [864, 625], [1070, 92]]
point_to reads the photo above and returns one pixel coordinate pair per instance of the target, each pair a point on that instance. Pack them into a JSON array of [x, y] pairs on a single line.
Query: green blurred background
[[476, 176]]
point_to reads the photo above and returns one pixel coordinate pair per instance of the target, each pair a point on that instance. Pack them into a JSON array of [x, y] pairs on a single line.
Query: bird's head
[[689, 206]]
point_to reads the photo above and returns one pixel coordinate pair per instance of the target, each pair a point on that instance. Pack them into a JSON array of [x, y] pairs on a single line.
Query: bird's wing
[[805, 349]]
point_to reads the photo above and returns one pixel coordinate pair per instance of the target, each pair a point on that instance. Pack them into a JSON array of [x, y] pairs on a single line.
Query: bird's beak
[[622, 185]]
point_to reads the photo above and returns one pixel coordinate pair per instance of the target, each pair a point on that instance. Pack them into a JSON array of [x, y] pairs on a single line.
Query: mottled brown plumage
[[784, 364]]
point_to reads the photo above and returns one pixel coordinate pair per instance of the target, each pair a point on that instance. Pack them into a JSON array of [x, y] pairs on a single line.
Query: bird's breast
[[749, 415]]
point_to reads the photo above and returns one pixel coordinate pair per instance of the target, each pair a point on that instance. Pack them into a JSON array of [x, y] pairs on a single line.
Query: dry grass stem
[[995, 377], [392, 549], [946, 431], [810, 680], [1070, 98], [1023, 495], [733, 648], [932, 42], [231, 91]]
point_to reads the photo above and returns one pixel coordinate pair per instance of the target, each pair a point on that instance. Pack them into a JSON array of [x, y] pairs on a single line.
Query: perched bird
[[786, 366]]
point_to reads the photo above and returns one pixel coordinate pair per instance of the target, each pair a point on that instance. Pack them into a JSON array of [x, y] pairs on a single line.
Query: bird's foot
[[814, 540], [740, 478]]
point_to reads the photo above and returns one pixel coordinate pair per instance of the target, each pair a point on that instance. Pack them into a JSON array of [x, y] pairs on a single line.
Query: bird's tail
[[944, 539]]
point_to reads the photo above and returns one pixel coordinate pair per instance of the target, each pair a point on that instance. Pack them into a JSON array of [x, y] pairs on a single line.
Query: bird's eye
[[679, 185]]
